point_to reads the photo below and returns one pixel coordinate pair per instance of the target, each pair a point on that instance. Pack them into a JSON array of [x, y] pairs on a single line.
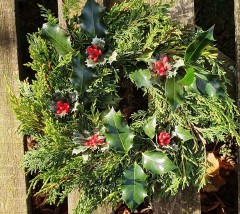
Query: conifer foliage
[[123, 100]]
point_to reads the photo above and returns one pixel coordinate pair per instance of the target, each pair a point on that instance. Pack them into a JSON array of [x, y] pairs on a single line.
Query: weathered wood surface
[[237, 42], [62, 22], [185, 202], [12, 178], [73, 198]]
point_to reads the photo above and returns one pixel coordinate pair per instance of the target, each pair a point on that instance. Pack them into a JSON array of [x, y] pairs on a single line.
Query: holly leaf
[[150, 126], [209, 85], [174, 92], [157, 162], [81, 77], [118, 134], [109, 100], [134, 188], [141, 78], [188, 79], [195, 49], [90, 19], [183, 134], [59, 39], [79, 150], [145, 56]]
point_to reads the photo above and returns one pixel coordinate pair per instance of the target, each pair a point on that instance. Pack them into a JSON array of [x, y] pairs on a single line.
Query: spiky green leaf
[[118, 134], [174, 92], [134, 186], [144, 57], [141, 78], [209, 85], [59, 39], [91, 19], [81, 76], [157, 162], [79, 150], [188, 79], [195, 49], [150, 126], [183, 134]]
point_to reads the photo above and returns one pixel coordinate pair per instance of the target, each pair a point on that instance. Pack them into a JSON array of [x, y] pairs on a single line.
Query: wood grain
[[12, 178], [237, 42]]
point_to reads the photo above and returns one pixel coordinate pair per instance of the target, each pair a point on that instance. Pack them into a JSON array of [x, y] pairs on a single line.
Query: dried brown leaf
[[213, 168]]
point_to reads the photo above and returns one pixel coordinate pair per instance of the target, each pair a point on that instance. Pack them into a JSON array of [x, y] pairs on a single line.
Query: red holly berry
[[162, 65], [164, 138], [62, 108], [165, 59], [94, 52], [94, 141]]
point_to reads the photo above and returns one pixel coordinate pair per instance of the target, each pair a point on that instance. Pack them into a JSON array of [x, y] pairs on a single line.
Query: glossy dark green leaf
[[59, 39], [118, 134], [195, 49], [81, 76], [157, 162], [188, 79], [209, 85], [141, 78], [134, 188], [150, 126], [193, 87], [91, 19], [183, 134], [110, 100], [174, 92]]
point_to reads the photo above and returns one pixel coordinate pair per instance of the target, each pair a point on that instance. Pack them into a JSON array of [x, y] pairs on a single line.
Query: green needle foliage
[[123, 101]]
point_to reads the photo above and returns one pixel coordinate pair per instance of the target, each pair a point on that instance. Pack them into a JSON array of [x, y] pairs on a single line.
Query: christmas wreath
[[123, 102]]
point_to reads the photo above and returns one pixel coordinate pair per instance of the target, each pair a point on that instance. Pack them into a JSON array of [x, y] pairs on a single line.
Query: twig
[[196, 129]]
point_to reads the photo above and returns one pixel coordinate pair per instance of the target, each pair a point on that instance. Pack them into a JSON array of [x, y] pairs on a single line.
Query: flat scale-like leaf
[[59, 39], [157, 162], [118, 134], [134, 186]]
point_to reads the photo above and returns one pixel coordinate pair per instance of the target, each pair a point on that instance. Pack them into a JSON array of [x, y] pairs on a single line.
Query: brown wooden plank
[[12, 178], [237, 42], [62, 22], [73, 198]]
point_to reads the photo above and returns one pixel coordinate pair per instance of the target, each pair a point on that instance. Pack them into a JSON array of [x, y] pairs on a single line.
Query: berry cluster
[[62, 108], [95, 141], [162, 65], [94, 52], [164, 139]]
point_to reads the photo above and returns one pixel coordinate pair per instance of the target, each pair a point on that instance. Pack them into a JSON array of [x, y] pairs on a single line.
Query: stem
[[196, 129]]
